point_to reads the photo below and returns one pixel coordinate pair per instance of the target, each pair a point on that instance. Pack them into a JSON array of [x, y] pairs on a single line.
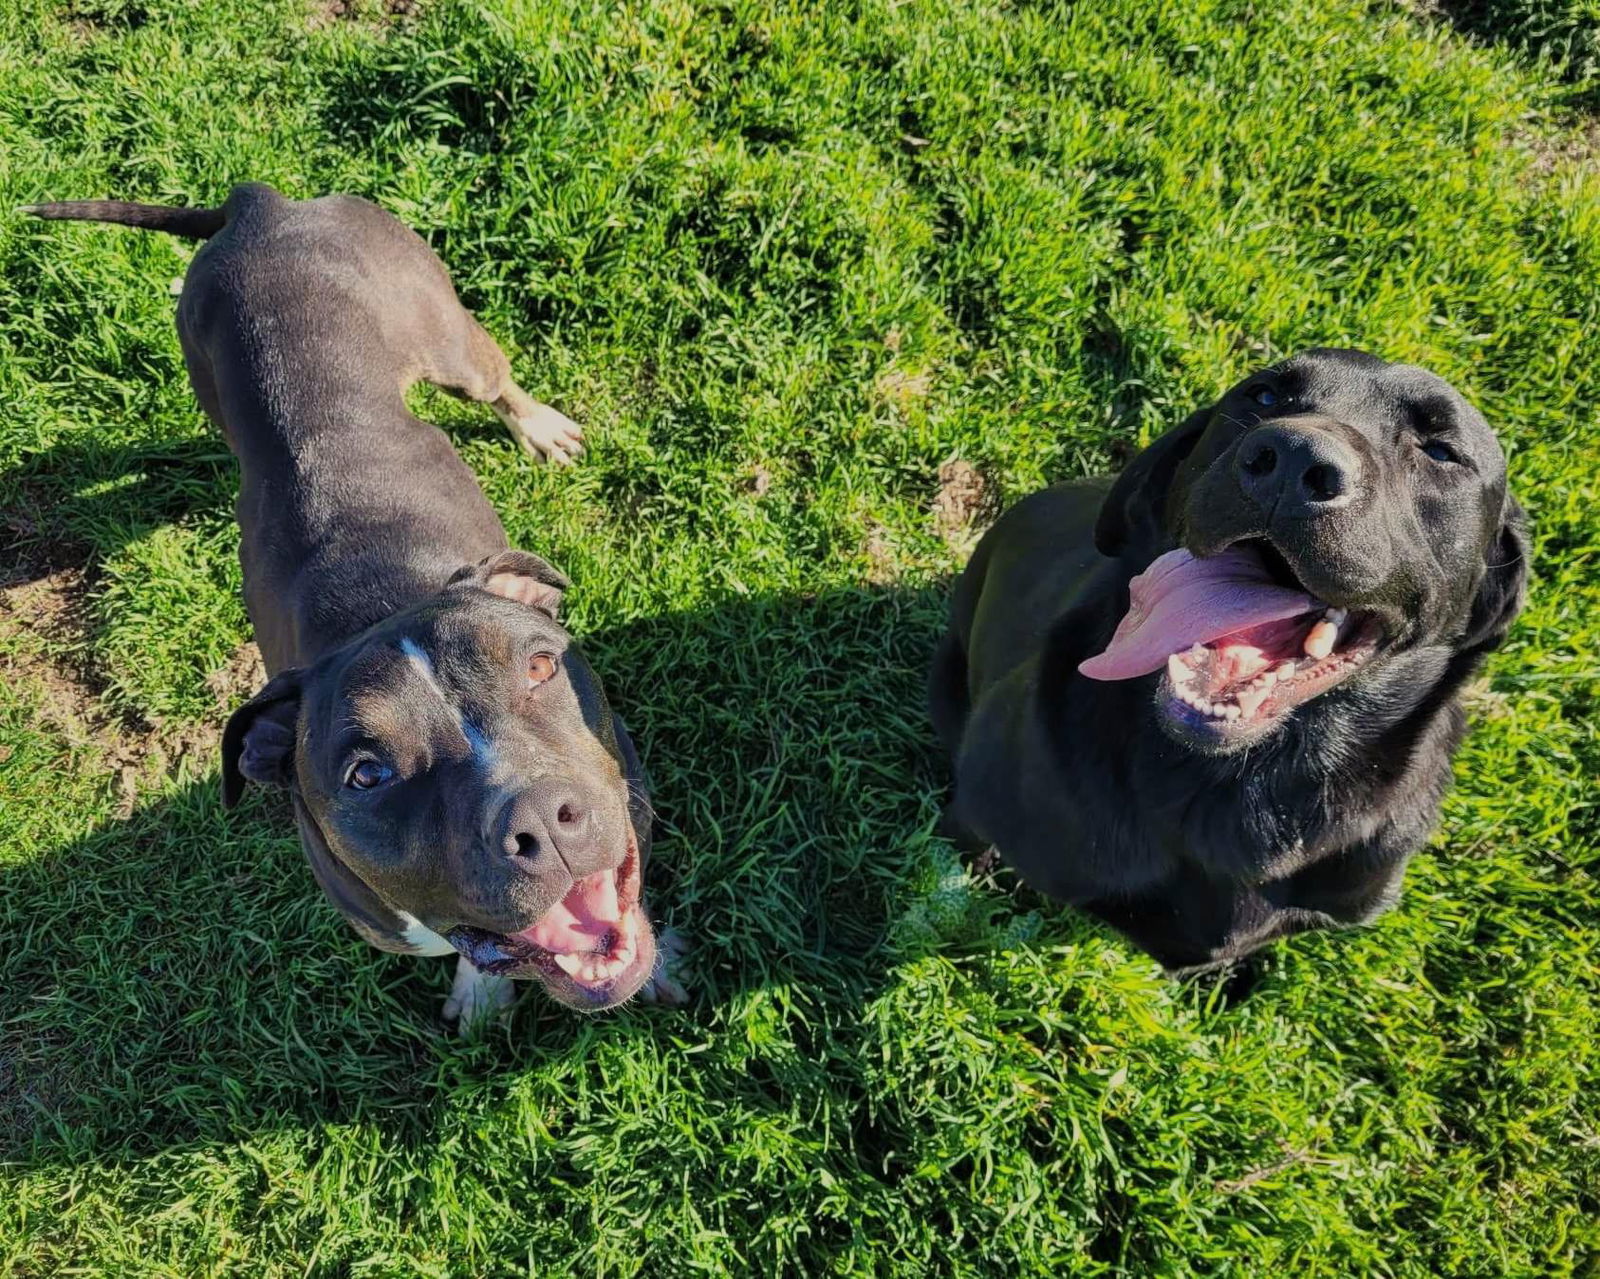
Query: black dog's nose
[[1295, 470], [548, 813]]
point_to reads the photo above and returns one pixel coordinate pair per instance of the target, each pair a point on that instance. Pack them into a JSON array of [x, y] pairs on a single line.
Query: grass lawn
[[827, 285]]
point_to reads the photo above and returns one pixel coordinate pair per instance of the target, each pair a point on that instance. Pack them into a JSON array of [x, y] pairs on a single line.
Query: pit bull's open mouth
[[1241, 642], [594, 948]]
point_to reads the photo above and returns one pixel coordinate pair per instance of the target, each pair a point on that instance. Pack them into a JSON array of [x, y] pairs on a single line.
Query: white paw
[[544, 432], [663, 988], [476, 998]]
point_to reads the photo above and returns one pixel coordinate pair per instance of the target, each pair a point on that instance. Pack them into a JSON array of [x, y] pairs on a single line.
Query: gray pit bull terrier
[[459, 781]]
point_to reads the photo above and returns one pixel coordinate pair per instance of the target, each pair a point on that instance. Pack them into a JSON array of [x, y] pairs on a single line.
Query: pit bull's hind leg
[[470, 363]]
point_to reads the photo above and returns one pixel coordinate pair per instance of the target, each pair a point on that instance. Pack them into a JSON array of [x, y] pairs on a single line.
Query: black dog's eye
[[1265, 396], [1439, 451], [364, 774], [541, 669]]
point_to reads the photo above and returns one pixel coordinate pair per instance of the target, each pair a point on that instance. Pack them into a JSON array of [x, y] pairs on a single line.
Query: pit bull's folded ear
[[516, 575], [1135, 506], [1505, 583], [258, 743]]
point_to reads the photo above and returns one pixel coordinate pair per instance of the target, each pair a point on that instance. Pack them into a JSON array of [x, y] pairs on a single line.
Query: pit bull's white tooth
[[1320, 640], [1177, 672], [1250, 700], [1336, 616], [1197, 651], [1200, 704], [1231, 712], [1267, 678], [570, 964]]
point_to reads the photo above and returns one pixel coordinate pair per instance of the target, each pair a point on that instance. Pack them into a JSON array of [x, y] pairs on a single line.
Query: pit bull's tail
[[191, 224]]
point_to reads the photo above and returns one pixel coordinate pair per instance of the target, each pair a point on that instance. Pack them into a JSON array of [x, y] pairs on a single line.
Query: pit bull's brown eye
[[364, 774], [541, 669], [1265, 396]]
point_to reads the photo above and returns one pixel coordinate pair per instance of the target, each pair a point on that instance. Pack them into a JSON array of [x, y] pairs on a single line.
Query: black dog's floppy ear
[[515, 575], [1505, 583], [258, 743], [1134, 505]]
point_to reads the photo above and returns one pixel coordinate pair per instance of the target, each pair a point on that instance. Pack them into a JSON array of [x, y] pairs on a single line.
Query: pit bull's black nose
[[1296, 471], [546, 817]]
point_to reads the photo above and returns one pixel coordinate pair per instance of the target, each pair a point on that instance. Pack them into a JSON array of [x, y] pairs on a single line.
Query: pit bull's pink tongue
[[1180, 601], [582, 919]]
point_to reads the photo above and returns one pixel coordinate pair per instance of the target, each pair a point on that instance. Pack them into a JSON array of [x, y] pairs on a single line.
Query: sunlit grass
[[786, 262]]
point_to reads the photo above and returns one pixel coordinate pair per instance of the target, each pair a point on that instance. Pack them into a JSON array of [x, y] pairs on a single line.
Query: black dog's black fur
[[1201, 849]]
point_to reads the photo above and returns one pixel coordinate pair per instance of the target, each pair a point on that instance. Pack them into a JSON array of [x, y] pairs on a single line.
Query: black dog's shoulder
[[1026, 572]]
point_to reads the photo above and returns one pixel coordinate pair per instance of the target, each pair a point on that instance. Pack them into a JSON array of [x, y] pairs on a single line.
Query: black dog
[[1214, 703]]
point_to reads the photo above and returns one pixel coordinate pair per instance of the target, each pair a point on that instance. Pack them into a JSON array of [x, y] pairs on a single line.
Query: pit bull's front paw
[[663, 987], [543, 431], [476, 998]]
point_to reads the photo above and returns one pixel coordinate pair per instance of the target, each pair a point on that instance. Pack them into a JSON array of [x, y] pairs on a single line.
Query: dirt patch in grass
[[758, 481], [1556, 149], [901, 385], [237, 681], [963, 505], [44, 647], [44, 621], [883, 567], [325, 13]]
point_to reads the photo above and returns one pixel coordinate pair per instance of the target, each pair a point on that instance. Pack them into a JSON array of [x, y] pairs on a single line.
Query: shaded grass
[[785, 262], [1565, 34]]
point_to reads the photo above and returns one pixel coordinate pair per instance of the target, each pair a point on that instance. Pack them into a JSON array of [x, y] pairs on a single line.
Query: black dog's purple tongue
[[1180, 601]]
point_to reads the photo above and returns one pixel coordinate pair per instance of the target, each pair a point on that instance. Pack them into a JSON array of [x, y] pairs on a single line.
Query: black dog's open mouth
[[1265, 671], [594, 948], [1241, 641]]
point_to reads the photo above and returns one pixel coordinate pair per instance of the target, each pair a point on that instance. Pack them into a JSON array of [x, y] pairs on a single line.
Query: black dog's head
[[460, 759], [1325, 517]]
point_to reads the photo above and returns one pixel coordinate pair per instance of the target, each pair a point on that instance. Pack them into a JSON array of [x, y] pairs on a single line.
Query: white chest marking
[[423, 938]]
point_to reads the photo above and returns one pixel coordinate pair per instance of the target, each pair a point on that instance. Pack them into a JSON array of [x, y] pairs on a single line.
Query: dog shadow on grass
[[174, 978], [88, 497], [84, 499]]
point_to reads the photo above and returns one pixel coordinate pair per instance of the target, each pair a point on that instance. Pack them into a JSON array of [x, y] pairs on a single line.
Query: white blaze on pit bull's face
[[483, 752]]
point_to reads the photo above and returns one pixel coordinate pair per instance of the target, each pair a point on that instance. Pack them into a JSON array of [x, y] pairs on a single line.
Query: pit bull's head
[[460, 760], [1332, 523]]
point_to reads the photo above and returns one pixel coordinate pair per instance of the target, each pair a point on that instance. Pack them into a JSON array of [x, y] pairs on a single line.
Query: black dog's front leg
[[1355, 885]]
